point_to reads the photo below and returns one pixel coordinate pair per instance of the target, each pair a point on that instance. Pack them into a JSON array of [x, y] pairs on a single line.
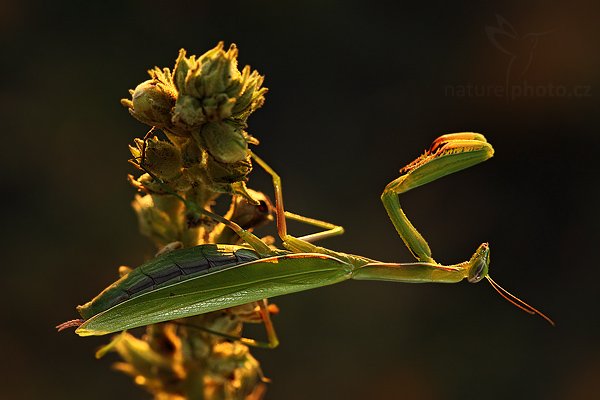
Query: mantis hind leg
[[301, 244], [447, 154], [265, 318]]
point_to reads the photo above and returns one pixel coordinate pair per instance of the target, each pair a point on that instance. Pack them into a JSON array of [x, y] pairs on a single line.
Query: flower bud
[[252, 96], [154, 223], [181, 70], [222, 90], [235, 361], [191, 153], [149, 366], [153, 99], [161, 158], [224, 141], [218, 107], [220, 173], [188, 112], [218, 70]]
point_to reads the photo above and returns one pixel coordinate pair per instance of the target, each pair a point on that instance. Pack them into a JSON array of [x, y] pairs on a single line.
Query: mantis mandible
[[211, 277]]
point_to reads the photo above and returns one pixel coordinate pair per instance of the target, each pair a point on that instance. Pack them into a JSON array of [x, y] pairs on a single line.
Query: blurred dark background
[[356, 91]]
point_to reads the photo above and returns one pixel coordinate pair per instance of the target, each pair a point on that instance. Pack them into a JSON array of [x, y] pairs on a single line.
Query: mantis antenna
[[514, 300]]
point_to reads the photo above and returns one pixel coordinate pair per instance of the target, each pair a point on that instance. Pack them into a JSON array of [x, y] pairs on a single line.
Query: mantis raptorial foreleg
[[448, 154]]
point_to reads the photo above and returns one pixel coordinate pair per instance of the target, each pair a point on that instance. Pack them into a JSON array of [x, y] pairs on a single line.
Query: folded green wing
[[244, 283]]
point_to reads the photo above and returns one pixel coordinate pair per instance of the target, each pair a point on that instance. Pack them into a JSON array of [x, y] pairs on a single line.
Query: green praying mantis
[[211, 277]]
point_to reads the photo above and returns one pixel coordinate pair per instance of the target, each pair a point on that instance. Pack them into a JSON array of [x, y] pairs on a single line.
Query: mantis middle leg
[[302, 244]]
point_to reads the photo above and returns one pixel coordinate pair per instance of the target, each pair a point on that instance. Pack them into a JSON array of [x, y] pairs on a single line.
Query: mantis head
[[478, 269], [479, 264]]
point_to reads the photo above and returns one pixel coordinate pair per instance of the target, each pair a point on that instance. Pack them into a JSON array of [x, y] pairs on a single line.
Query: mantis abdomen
[[165, 270]]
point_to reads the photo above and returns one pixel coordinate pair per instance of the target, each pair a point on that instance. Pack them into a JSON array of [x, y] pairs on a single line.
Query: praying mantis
[[211, 277]]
